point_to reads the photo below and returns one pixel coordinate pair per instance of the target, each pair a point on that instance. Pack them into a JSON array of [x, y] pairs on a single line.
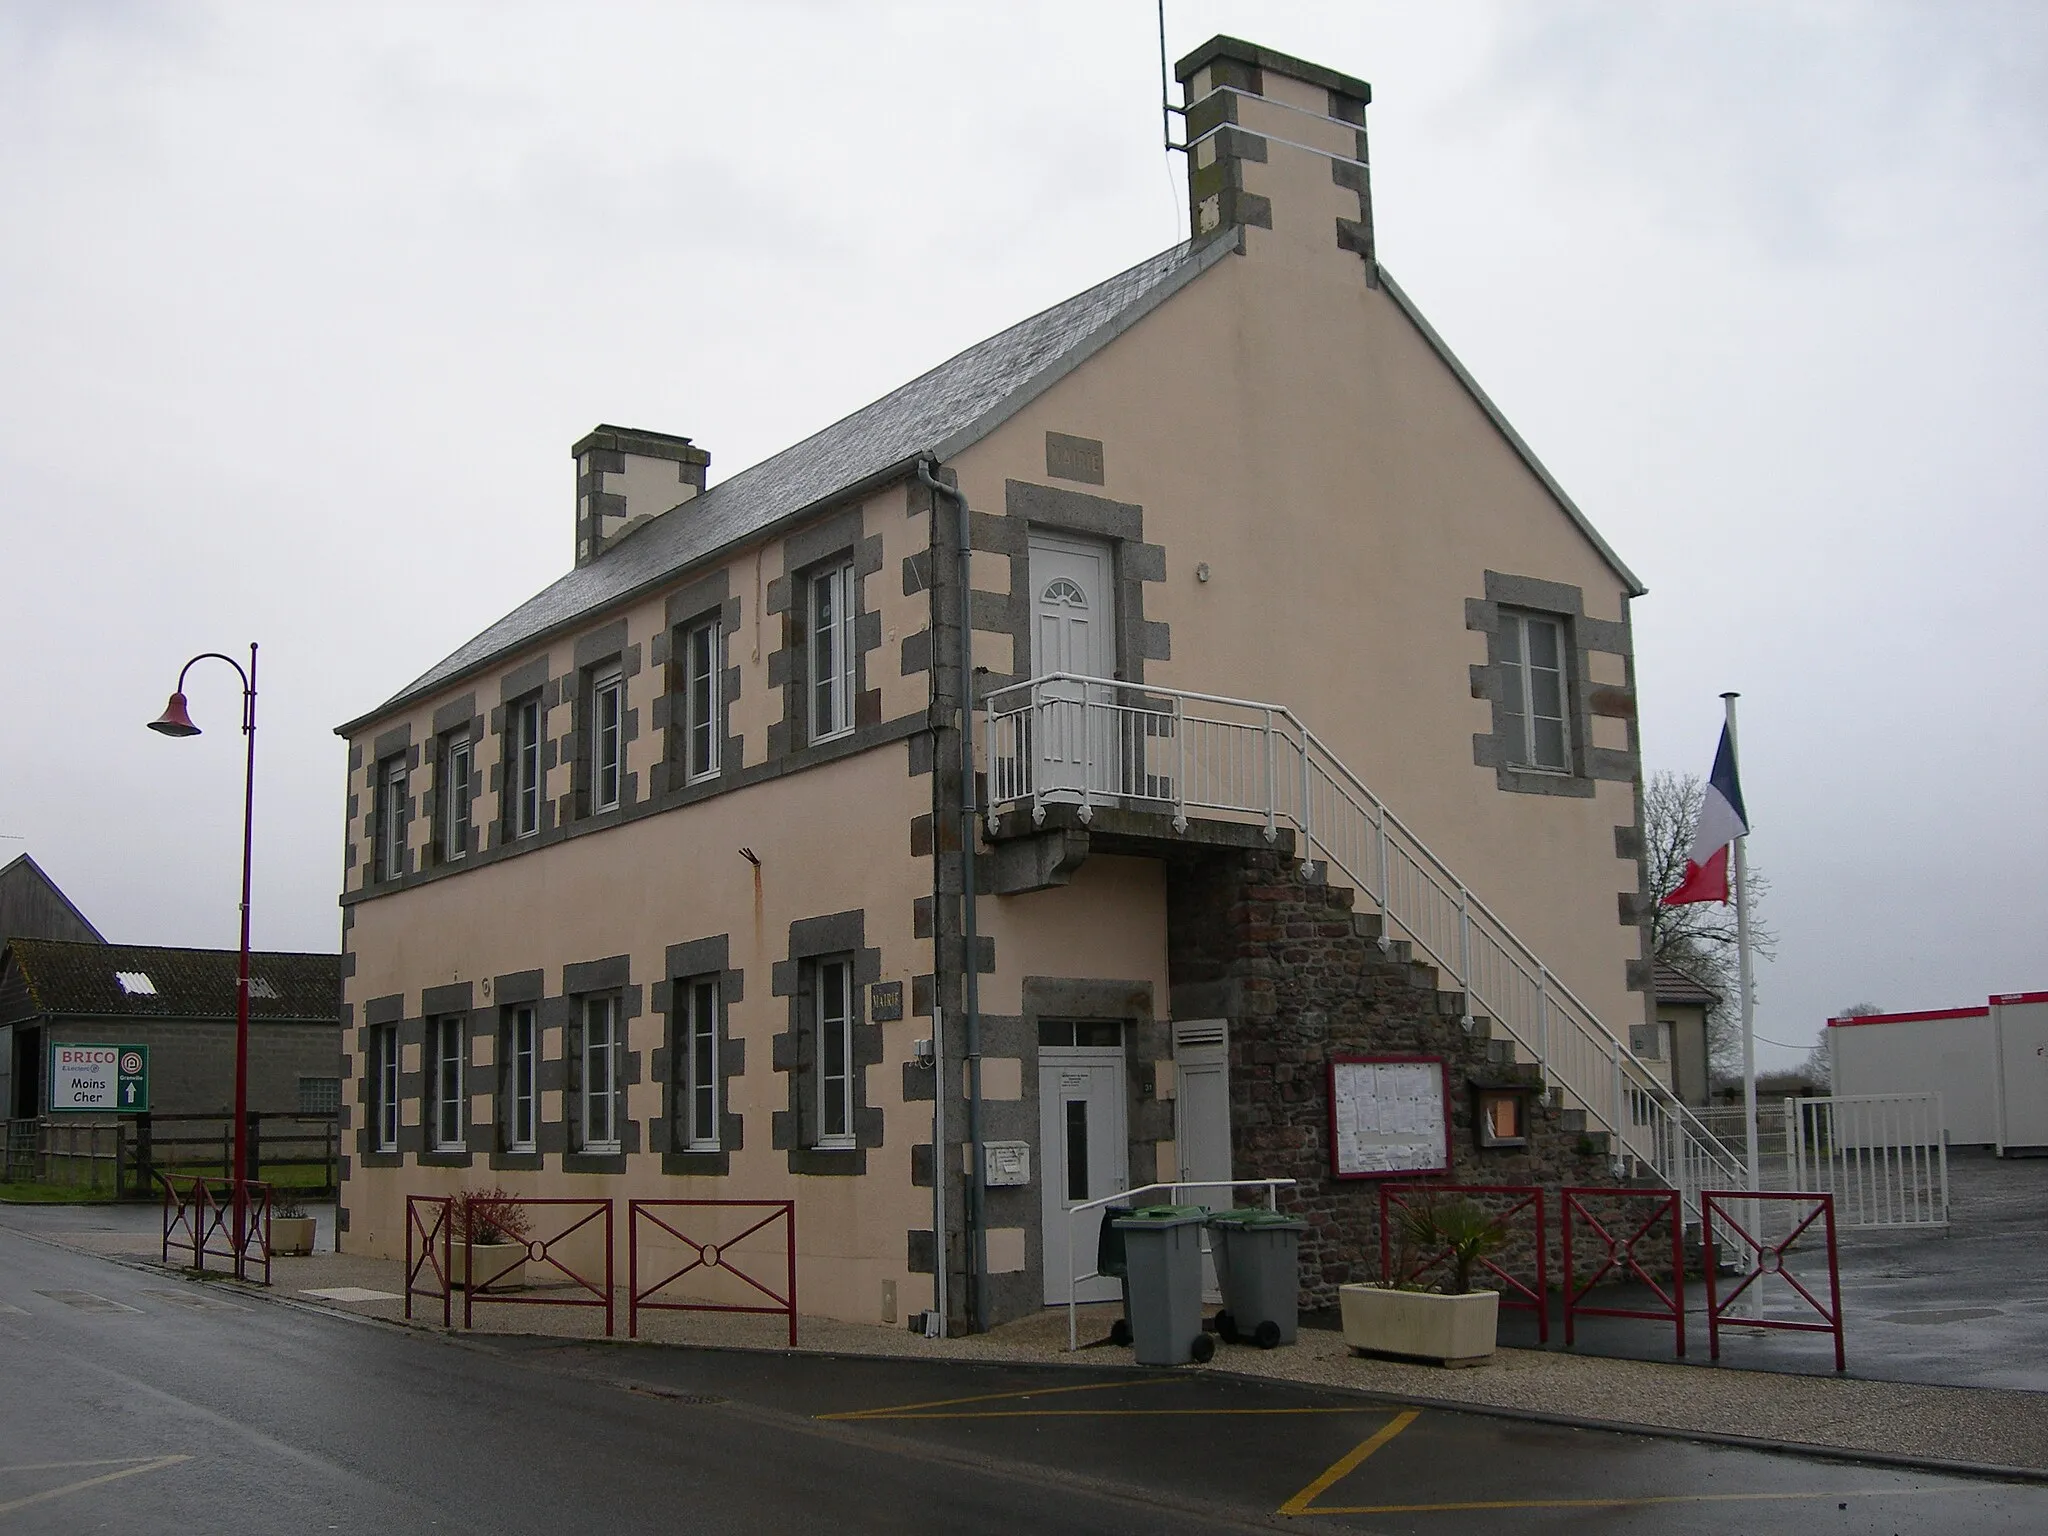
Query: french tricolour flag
[[1722, 820]]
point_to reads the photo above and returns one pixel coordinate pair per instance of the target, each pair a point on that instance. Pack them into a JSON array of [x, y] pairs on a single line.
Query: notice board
[[1388, 1115]]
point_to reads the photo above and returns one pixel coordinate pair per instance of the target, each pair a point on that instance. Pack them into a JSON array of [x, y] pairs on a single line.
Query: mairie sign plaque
[[99, 1079]]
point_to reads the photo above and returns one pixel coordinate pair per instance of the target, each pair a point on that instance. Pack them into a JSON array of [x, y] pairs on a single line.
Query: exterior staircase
[[1068, 741]]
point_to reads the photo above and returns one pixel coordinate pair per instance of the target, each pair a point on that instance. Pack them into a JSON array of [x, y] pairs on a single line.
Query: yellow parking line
[[1616, 1503], [1025, 1393], [1108, 1413], [91, 1482], [1337, 1471]]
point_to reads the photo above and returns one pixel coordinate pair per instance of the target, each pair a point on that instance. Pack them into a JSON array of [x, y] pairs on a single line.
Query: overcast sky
[[301, 307]]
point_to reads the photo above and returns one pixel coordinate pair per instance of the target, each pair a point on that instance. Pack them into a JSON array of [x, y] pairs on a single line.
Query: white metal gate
[[1883, 1156]]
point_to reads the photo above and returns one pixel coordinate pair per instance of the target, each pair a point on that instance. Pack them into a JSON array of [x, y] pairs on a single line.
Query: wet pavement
[[142, 1402]]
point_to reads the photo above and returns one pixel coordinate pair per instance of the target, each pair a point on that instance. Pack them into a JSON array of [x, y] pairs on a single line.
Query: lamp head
[[175, 721]]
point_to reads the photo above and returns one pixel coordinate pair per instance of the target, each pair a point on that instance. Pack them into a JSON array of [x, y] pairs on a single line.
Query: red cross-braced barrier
[[707, 1251], [572, 1254], [203, 1221], [1764, 1257], [1517, 1211], [1617, 1221], [429, 1229]]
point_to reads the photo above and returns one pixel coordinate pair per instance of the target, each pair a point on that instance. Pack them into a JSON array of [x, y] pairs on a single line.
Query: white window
[[446, 1044], [525, 775], [521, 1051], [700, 1064], [607, 746], [703, 658], [455, 799], [831, 652], [391, 820], [384, 1086], [600, 1074], [834, 991], [1538, 732]]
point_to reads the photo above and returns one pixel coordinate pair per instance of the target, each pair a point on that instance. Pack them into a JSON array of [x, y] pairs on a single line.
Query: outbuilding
[[1988, 1063]]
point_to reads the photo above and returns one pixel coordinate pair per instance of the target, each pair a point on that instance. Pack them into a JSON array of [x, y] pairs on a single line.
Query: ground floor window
[[518, 1051], [599, 1120], [384, 1087], [832, 994], [699, 1044], [444, 1094]]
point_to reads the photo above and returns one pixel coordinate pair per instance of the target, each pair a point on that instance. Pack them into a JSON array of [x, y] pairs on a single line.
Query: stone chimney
[[1276, 143], [627, 478]]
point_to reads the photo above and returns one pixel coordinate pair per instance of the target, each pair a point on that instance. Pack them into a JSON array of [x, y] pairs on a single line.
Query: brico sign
[[99, 1079]]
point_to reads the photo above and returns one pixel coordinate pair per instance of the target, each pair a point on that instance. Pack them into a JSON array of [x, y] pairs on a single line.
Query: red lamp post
[[176, 722]]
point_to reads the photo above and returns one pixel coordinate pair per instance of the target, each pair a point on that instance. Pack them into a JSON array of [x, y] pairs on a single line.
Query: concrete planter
[[489, 1259], [1455, 1330], [291, 1234]]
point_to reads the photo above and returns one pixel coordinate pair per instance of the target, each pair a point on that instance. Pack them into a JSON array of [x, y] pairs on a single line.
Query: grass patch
[[314, 1177], [53, 1194]]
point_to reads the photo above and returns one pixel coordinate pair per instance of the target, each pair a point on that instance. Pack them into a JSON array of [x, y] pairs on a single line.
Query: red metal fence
[[1619, 1238], [1768, 1258], [197, 1218], [711, 1253], [429, 1230], [1516, 1291], [485, 1275]]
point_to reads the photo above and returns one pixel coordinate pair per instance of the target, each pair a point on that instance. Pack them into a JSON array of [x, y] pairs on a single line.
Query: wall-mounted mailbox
[[1005, 1164]]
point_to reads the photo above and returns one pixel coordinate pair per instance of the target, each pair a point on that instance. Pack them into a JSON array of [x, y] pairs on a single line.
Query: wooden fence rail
[[130, 1156]]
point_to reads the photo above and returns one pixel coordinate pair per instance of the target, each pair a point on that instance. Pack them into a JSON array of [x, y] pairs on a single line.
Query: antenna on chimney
[[1166, 106]]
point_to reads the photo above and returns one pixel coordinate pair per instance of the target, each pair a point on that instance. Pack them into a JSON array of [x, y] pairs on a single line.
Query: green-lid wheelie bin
[[1163, 1283], [1258, 1257]]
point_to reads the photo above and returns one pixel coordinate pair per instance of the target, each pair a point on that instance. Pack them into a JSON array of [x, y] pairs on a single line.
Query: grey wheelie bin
[[1257, 1266], [1163, 1280]]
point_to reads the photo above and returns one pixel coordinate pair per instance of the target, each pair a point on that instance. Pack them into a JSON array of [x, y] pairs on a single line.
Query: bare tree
[[1699, 938]]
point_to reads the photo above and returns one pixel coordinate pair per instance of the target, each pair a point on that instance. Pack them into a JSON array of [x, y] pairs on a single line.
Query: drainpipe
[[977, 1228]]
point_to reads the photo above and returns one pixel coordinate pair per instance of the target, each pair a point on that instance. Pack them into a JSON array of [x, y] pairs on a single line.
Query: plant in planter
[[496, 1228], [1456, 1326], [291, 1229]]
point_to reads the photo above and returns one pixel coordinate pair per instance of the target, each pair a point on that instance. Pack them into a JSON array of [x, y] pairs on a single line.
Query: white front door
[[1073, 629], [1082, 1156]]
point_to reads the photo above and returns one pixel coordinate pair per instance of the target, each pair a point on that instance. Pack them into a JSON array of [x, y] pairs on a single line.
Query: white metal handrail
[[1067, 738], [1075, 1276]]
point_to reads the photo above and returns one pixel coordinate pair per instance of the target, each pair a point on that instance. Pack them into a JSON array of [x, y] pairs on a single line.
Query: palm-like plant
[[1458, 1229]]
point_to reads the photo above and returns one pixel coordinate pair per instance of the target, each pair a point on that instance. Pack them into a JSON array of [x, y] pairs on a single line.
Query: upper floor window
[[601, 1061], [522, 777], [391, 795], [699, 1057], [703, 662], [831, 657], [607, 739], [519, 1053], [832, 997], [1538, 725], [454, 810], [444, 1087], [384, 1088]]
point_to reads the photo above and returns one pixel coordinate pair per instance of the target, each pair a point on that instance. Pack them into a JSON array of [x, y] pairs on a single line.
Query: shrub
[[488, 1216], [1459, 1229]]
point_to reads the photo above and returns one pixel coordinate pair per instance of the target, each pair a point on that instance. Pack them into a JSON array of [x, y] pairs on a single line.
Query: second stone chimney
[[626, 478]]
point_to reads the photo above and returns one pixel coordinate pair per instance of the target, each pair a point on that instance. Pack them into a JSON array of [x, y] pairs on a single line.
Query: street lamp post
[[176, 722]]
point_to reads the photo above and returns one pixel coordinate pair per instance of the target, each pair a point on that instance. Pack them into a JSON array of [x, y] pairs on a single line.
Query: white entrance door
[[1073, 629], [1082, 1156]]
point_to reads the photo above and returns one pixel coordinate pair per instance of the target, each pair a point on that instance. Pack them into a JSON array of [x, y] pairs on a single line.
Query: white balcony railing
[[1094, 742]]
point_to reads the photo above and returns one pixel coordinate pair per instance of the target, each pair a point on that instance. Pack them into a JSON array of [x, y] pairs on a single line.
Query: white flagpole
[[1749, 1126]]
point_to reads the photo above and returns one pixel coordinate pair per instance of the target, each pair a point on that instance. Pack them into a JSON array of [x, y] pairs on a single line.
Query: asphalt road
[[132, 1401]]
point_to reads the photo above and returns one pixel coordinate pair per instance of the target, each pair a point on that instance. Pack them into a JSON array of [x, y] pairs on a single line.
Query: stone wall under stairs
[[1301, 978]]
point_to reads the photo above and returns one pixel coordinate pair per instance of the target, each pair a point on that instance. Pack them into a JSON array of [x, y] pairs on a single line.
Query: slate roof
[[939, 412], [1674, 986], [79, 980]]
